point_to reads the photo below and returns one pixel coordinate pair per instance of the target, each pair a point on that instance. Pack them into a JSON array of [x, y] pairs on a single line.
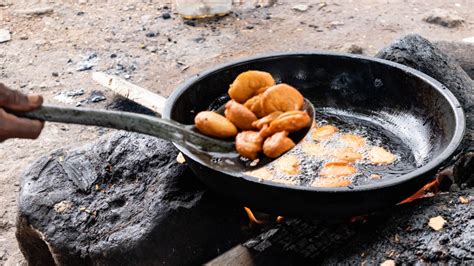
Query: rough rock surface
[[462, 52], [123, 199], [404, 234], [401, 234], [415, 51]]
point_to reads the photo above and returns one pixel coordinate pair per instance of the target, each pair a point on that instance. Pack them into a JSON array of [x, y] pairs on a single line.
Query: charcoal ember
[[404, 236], [415, 51], [401, 234], [123, 199]]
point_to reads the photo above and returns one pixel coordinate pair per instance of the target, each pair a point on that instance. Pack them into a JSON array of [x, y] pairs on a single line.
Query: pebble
[[151, 34], [96, 96], [300, 7], [55, 74], [200, 40], [68, 96], [166, 16], [190, 22], [5, 35], [443, 18], [89, 62], [249, 27], [80, 13]]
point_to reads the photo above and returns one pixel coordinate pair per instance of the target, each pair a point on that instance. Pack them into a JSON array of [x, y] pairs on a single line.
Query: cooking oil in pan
[[300, 168], [303, 168]]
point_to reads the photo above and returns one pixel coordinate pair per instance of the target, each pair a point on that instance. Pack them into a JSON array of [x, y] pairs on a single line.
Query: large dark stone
[[121, 200], [461, 52], [417, 52]]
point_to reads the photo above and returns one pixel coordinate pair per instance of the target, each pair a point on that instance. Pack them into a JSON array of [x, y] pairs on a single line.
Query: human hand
[[15, 127]]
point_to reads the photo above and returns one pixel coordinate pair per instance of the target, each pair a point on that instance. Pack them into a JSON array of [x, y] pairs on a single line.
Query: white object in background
[[203, 8]]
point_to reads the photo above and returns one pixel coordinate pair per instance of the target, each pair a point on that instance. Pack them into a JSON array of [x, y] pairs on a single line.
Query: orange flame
[[255, 221], [432, 186]]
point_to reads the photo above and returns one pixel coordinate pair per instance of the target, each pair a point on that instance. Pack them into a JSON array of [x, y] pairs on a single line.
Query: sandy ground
[[132, 40]]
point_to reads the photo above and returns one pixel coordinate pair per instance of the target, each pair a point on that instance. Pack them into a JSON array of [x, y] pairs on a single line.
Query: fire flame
[[258, 222], [432, 186]]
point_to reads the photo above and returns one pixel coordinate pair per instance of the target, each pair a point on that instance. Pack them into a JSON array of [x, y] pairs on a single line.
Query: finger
[[17, 101], [15, 127]]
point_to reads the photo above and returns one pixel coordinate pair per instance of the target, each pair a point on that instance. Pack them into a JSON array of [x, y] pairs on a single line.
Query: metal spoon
[[153, 126]]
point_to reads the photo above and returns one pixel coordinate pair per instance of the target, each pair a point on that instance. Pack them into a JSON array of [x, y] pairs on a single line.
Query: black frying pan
[[403, 102]]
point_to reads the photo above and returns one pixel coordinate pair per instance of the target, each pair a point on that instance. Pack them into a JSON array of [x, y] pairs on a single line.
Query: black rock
[[55, 74], [462, 52], [113, 55], [151, 34], [200, 40], [166, 16], [250, 27], [96, 96], [417, 52], [122, 200], [80, 13], [190, 22]]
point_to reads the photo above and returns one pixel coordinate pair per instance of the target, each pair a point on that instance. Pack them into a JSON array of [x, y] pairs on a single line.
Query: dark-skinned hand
[[12, 126]]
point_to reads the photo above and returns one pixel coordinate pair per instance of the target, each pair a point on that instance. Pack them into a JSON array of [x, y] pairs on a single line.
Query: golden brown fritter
[[337, 169], [281, 97], [277, 144], [214, 125], [324, 132], [288, 121], [249, 144], [248, 84], [239, 115], [253, 104], [266, 120], [353, 141], [380, 156]]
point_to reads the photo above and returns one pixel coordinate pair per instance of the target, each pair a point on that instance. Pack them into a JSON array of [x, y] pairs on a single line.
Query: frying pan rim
[[453, 144]]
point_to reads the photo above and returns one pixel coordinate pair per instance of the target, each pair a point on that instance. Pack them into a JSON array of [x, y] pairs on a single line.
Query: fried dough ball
[[347, 154], [324, 132], [248, 144], [281, 97], [288, 165], [380, 156], [214, 125], [248, 84], [253, 104], [277, 144], [239, 115], [331, 182], [314, 149], [288, 121], [261, 173], [353, 141], [266, 120], [337, 169]]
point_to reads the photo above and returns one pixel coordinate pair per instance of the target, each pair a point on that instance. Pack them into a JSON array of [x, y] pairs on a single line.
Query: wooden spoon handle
[[162, 128]]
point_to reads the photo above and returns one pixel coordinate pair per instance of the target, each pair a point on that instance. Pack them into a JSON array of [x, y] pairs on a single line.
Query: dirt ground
[[131, 39]]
